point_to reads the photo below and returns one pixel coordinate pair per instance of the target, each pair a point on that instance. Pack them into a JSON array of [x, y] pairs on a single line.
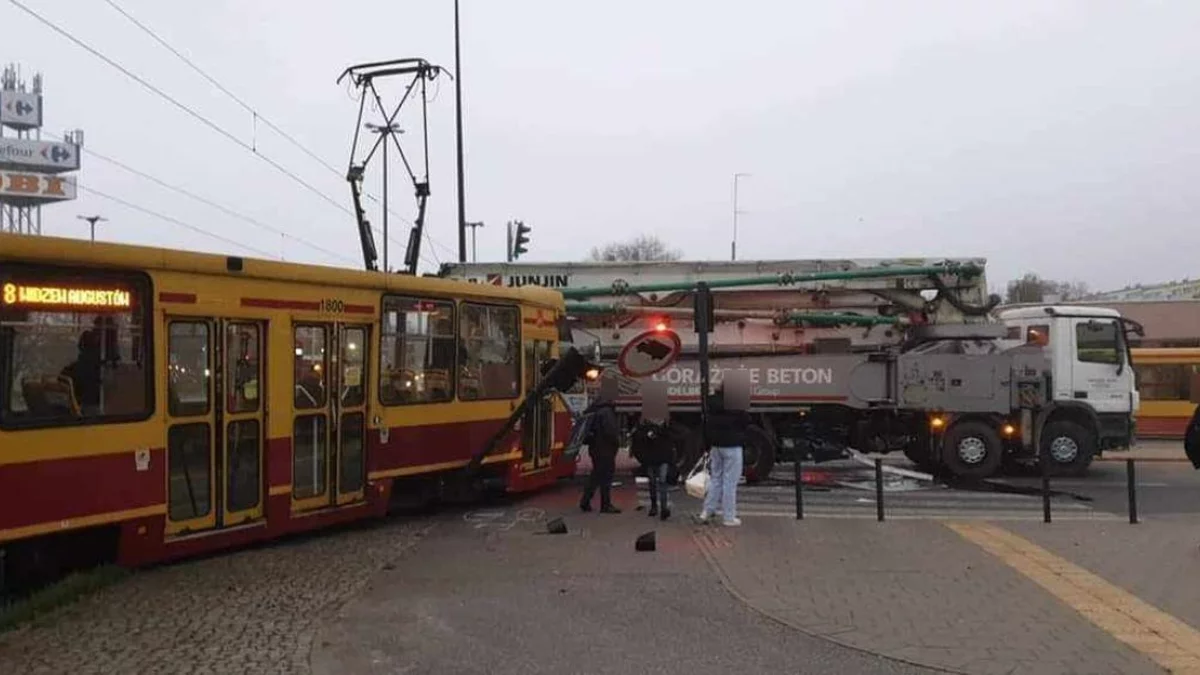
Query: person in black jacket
[[726, 437], [1191, 439], [605, 440], [654, 448]]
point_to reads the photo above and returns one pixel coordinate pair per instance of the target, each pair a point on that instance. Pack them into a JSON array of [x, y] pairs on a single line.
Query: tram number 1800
[[333, 306]]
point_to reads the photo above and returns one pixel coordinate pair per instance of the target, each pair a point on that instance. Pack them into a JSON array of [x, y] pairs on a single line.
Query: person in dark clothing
[[727, 438], [654, 448], [604, 441], [1191, 439], [85, 373]]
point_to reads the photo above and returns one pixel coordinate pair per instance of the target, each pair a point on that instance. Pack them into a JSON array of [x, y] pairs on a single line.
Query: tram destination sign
[[27, 296]]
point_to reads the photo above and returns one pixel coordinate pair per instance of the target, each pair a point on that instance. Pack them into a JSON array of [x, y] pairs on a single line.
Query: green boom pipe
[[780, 279], [798, 318]]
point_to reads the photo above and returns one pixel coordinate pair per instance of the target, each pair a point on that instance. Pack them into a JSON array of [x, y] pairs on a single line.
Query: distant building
[[1188, 289]]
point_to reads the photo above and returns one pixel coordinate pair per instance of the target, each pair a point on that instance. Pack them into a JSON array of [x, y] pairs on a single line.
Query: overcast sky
[[1054, 136]]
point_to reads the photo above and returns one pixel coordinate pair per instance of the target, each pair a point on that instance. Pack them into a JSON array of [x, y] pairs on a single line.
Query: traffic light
[[520, 239]]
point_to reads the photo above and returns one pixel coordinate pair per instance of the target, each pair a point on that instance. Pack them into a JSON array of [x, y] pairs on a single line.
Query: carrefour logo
[[57, 154], [21, 108]]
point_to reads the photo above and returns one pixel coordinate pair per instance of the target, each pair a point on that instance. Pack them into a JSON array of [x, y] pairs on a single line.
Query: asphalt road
[[1163, 488]]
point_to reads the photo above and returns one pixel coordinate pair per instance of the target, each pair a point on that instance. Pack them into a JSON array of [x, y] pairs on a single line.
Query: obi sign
[[36, 187], [649, 353]]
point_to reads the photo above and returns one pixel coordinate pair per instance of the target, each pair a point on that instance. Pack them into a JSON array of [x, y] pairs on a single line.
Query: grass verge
[[70, 589]]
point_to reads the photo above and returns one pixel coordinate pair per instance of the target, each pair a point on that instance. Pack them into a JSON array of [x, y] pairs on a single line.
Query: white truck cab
[[1092, 380]]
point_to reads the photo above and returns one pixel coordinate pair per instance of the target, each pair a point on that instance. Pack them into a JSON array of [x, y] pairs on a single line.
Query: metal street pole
[[384, 135], [92, 220], [474, 250], [733, 244], [458, 128]]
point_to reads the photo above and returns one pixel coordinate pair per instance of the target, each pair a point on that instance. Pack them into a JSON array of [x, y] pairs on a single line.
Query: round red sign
[[649, 353]]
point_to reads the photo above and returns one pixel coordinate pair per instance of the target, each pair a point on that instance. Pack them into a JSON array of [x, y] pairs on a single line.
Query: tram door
[[329, 422], [215, 426], [537, 426]]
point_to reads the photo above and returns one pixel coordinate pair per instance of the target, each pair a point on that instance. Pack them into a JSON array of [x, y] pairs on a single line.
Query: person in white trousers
[[727, 437]]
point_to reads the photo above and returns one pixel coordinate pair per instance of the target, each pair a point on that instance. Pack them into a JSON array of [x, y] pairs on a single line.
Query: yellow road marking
[[1171, 643]]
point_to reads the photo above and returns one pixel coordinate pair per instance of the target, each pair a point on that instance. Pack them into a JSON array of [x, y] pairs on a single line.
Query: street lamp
[[733, 244], [92, 220], [462, 202], [385, 130], [474, 252]]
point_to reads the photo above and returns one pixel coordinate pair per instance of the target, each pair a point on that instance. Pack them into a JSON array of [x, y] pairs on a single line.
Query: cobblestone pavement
[[491, 594], [910, 590], [253, 611]]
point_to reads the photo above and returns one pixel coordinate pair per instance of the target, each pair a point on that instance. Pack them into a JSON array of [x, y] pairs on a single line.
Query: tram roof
[[59, 250]]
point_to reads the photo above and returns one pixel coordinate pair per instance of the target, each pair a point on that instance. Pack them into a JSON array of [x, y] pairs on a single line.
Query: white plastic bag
[[696, 484]]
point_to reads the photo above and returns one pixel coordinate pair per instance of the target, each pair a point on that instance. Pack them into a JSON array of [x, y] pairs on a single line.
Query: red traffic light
[[660, 324]]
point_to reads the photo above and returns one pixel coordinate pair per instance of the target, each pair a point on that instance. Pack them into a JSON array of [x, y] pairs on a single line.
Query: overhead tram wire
[[216, 205], [250, 109], [175, 221], [173, 101], [181, 106]]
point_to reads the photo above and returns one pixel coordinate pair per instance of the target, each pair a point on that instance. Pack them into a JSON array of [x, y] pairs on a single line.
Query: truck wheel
[[1069, 446], [758, 456], [972, 449]]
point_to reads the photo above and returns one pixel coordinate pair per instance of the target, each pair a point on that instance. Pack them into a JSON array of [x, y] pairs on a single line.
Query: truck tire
[[972, 449], [1069, 446], [758, 457]]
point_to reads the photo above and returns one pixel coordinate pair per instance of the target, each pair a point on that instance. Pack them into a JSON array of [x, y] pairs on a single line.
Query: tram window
[[242, 360], [350, 451], [310, 367], [309, 447], [188, 456], [72, 349], [242, 446], [189, 368], [1166, 382], [354, 347], [488, 337], [418, 351], [1096, 342]]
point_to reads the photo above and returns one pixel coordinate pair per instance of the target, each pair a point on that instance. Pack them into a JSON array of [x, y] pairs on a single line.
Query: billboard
[[20, 109], [23, 188], [45, 156]]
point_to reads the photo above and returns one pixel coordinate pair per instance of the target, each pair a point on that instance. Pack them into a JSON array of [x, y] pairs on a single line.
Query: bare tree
[[646, 248], [1032, 288]]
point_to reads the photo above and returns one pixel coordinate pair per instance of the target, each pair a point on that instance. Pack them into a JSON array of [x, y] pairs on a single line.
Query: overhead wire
[[183, 107], [249, 108], [175, 221], [216, 205]]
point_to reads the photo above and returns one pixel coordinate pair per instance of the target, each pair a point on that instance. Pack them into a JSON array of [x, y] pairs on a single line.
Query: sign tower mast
[[33, 172]]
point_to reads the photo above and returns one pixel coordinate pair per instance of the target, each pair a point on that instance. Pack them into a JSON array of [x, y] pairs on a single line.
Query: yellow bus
[[156, 404], [1164, 377]]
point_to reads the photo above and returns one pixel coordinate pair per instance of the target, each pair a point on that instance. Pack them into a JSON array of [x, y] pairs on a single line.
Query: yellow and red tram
[[1164, 379], [170, 403]]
